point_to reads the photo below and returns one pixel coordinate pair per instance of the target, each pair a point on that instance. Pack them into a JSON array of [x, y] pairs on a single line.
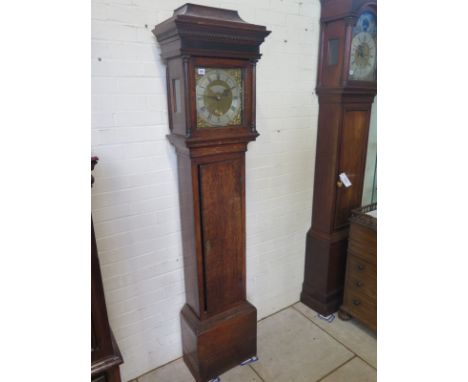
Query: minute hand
[[225, 92]]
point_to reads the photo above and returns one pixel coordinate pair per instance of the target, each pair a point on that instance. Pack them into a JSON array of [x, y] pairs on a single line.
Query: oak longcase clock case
[[211, 56], [346, 87]]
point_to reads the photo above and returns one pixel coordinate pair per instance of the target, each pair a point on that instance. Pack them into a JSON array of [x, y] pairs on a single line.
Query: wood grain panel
[[363, 243], [352, 161], [221, 185]]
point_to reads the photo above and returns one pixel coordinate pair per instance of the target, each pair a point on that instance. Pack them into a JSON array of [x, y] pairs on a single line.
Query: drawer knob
[[356, 302], [359, 284], [360, 267]]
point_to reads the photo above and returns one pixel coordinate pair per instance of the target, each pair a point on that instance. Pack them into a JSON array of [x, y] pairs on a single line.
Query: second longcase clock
[[211, 56], [346, 87]]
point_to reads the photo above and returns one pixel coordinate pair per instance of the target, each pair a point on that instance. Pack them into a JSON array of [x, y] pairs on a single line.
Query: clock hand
[[217, 97], [228, 89]]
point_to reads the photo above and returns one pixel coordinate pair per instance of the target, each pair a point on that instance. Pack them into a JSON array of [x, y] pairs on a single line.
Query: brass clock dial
[[363, 60], [363, 56], [218, 96]]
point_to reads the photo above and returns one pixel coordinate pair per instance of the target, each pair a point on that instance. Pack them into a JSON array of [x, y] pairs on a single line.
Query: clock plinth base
[[217, 344], [324, 274], [317, 304]]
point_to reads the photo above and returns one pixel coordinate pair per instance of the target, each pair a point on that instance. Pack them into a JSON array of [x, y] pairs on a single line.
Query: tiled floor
[[294, 345]]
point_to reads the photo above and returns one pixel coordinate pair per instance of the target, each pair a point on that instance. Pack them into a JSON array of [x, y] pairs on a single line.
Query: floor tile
[[173, 372], [351, 333], [177, 371], [354, 371], [293, 349], [240, 374]]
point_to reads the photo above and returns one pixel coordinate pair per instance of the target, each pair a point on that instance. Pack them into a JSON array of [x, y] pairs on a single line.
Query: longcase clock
[[211, 55], [346, 87]]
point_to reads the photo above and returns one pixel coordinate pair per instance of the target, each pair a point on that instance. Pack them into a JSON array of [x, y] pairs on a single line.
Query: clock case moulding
[[342, 134], [219, 325]]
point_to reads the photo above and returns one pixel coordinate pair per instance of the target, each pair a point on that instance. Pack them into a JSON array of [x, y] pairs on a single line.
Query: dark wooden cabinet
[[105, 354], [211, 56], [346, 87], [360, 293]]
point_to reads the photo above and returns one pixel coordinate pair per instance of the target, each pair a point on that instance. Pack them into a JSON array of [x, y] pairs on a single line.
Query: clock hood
[[200, 29]]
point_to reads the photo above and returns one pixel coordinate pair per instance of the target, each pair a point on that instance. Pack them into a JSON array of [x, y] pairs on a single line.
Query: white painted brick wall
[[135, 197]]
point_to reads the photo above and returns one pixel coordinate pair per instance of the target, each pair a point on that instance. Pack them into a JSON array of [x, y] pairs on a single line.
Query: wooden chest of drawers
[[360, 293]]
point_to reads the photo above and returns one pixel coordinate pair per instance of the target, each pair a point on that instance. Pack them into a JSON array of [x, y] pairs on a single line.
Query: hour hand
[[215, 96]]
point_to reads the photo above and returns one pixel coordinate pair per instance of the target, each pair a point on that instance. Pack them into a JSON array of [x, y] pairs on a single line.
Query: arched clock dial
[[363, 56], [218, 97], [363, 59]]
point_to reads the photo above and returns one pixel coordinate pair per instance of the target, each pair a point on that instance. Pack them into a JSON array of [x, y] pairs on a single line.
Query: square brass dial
[[219, 93]]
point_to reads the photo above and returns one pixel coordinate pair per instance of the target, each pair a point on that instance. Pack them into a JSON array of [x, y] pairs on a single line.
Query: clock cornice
[[201, 30], [345, 9]]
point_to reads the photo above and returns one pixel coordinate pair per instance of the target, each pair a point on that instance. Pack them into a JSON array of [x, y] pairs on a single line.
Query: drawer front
[[361, 285], [363, 243], [360, 269], [100, 378], [361, 307]]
